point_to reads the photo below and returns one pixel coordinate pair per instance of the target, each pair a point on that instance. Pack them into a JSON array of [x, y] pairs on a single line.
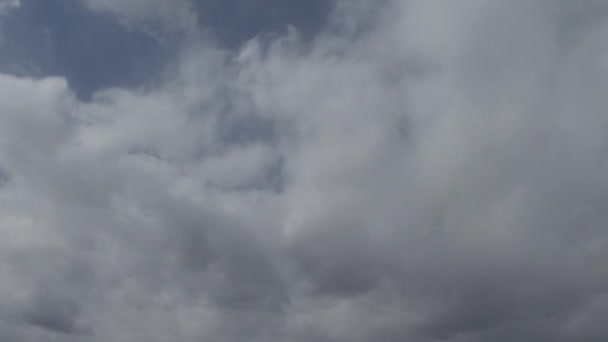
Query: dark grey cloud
[[54, 315], [399, 171]]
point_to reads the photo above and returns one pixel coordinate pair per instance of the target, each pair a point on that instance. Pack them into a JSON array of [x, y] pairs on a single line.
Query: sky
[[303, 171]]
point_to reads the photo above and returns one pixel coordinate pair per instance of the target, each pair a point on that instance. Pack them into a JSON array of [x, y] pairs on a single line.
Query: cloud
[[420, 170], [8, 4]]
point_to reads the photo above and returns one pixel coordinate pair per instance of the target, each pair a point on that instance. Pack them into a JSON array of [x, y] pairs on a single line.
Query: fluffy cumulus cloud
[[417, 171]]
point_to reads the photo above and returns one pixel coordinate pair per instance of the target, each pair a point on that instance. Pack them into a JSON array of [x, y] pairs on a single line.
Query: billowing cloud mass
[[425, 170]]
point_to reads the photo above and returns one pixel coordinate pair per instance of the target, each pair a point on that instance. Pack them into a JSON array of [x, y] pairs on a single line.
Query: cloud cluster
[[419, 171]]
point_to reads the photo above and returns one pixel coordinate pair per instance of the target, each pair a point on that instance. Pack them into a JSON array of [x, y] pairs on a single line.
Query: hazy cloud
[[8, 4]]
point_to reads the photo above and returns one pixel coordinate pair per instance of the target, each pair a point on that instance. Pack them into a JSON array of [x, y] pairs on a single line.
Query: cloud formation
[[416, 171]]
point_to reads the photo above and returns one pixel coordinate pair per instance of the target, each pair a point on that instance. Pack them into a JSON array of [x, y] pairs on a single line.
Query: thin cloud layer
[[8, 4], [175, 15], [416, 171]]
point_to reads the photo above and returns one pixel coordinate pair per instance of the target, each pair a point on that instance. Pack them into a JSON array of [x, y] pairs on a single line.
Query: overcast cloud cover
[[322, 171]]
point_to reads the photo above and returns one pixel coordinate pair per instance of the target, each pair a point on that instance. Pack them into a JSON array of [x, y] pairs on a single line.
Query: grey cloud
[[6, 5], [420, 171], [55, 316]]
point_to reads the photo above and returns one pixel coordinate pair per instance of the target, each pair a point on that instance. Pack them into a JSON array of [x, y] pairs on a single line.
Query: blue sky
[[57, 37], [94, 51], [306, 171]]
